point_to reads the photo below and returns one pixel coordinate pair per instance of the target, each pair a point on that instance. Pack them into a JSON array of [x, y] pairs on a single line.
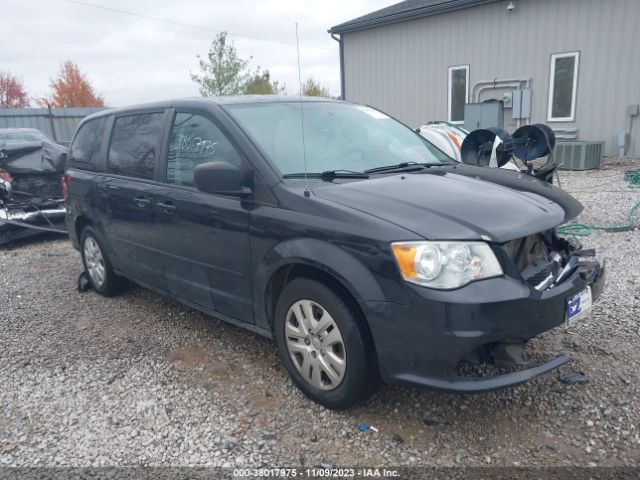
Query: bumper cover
[[421, 344], [477, 385]]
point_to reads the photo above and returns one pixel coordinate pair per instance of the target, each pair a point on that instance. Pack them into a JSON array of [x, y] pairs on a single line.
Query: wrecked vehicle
[[31, 187], [362, 249]]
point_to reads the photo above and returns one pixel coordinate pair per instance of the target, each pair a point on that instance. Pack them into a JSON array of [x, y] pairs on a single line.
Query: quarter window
[[134, 143], [563, 80], [194, 140], [86, 146], [458, 92]]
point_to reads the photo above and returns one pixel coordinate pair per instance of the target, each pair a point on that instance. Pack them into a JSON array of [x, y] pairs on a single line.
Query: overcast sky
[[130, 59]]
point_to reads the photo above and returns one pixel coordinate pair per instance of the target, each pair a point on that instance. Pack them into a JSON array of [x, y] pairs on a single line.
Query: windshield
[[337, 136]]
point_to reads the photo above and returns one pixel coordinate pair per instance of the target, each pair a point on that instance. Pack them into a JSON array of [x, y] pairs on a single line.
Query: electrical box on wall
[[521, 104], [633, 110], [483, 115]]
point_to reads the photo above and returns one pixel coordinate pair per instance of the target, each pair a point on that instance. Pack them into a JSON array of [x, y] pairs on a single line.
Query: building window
[[563, 82], [458, 92]]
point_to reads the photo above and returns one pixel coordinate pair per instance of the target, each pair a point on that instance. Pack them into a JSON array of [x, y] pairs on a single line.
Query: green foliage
[[260, 83], [311, 88], [222, 71]]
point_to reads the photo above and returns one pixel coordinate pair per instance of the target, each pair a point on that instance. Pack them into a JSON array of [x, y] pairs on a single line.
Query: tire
[[97, 265], [313, 357]]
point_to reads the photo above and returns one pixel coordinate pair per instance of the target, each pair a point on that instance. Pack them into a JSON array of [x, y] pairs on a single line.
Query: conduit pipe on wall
[[482, 85]]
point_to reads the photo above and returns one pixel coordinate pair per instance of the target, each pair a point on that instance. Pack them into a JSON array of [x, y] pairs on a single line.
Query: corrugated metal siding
[[59, 123], [402, 68]]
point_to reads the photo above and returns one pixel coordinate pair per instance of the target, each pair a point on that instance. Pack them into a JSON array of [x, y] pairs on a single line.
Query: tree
[[12, 92], [311, 88], [222, 71], [71, 89], [260, 83]]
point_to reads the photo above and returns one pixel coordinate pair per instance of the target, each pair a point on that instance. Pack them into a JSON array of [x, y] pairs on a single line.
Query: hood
[[459, 202]]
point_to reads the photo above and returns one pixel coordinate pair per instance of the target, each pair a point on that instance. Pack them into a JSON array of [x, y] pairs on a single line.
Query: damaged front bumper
[[477, 385], [424, 343], [26, 219]]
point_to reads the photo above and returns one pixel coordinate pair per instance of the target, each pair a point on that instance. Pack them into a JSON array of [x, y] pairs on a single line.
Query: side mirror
[[219, 177]]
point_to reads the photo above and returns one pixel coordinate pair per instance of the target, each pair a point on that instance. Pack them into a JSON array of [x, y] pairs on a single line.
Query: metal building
[[57, 123], [574, 64]]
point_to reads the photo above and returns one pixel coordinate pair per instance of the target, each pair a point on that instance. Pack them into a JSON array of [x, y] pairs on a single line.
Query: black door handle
[[168, 207], [142, 202]]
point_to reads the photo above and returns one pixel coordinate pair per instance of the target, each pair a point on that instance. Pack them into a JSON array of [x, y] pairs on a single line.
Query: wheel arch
[[293, 270], [316, 259], [86, 219], [79, 224]]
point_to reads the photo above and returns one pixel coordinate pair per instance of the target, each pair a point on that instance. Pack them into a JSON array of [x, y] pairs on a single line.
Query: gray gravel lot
[[142, 380]]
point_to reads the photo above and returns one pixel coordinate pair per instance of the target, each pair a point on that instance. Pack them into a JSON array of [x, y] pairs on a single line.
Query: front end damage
[[475, 338], [545, 262]]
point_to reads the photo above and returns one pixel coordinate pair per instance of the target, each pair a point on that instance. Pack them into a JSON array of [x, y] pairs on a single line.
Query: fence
[[57, 123]]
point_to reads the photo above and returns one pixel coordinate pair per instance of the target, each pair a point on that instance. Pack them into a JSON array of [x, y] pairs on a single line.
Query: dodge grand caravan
[[363, 250]]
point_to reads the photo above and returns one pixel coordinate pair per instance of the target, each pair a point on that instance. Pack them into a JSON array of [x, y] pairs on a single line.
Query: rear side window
[[194, 140], [86, 146], [134, 145]]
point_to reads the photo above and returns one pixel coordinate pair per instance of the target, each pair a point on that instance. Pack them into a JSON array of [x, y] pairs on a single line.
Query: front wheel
[[323, 344]]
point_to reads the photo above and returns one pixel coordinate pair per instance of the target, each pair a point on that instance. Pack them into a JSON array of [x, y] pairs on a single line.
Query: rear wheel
[[98, 267], [322, 343]]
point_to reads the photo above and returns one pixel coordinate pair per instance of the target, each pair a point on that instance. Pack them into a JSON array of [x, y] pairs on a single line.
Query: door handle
[[142, 202], [168, 207]]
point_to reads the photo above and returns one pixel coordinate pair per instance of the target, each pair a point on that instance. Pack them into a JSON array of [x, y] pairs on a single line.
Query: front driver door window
[[194, 140]]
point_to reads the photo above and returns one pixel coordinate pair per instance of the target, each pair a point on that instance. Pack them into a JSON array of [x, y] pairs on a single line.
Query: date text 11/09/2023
[[315, 473]]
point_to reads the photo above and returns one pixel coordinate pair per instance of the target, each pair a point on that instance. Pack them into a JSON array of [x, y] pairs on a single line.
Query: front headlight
[[445, 265]]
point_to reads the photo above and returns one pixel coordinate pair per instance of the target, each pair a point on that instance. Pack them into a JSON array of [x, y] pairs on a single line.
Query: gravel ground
[[141, 380]]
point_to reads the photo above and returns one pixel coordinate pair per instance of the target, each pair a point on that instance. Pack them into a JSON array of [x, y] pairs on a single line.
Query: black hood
[[459, 203]]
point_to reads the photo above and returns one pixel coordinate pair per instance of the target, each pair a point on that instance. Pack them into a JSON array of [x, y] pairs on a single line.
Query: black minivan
[[363, 250]]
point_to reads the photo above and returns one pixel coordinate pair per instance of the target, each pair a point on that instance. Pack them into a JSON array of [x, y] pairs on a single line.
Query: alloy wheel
[[94, 261], [315, 344]]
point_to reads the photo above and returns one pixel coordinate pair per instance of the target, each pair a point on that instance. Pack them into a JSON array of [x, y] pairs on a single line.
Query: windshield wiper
[[343, 174], [329, 174], [404, 166]]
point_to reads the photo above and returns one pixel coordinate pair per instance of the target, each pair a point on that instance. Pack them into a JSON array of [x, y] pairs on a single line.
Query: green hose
[[582, 230], [633, 177]]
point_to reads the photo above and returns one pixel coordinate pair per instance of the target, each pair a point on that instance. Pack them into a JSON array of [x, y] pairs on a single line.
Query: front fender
[[323, 255]]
